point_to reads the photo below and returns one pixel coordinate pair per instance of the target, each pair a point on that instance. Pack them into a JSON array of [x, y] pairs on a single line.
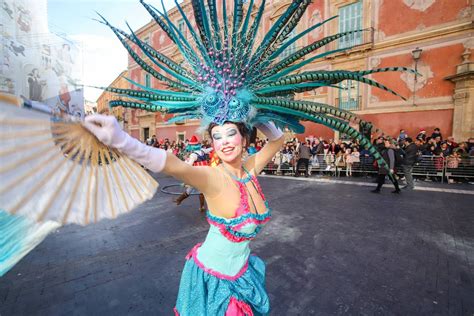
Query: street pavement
[[330, 249]]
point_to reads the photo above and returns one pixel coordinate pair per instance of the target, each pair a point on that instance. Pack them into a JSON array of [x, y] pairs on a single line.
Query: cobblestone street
[[330, 249]]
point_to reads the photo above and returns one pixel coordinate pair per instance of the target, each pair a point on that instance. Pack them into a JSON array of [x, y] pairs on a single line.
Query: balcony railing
[[351, 104], [354, 42]]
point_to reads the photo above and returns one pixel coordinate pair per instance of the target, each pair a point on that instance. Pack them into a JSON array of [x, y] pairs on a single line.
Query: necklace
[[243, 181]]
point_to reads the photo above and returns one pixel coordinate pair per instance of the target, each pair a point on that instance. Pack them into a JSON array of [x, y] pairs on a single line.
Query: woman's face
[[227, 142]]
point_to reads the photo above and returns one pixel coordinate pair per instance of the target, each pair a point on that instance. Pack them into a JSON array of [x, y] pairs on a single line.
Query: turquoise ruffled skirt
[[18, 236], [201, 293]]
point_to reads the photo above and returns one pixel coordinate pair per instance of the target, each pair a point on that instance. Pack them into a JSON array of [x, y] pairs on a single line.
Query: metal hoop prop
[[166, 189]]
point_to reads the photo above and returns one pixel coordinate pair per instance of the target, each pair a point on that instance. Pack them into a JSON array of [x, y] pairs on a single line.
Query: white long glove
[[108, 131], [270, 130]]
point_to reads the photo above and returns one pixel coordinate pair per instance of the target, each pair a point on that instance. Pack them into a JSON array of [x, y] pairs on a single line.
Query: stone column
[[463, 118]]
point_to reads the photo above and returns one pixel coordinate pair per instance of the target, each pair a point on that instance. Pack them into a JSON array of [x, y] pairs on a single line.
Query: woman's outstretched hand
[[106, 129]]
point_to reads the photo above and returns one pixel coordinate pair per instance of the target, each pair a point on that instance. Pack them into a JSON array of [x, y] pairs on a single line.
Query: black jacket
[[318, 149], [410, 155], [388, 155]]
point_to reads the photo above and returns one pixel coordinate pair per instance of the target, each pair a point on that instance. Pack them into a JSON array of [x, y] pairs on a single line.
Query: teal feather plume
[[185, 81], [228, 75], [158, 91], [274, 31], [277, 42], [135, 105], [212, 5], [245, 25], [297, 37], [252, 33], [158, 20], [309, 49], [160, 57], [289, 70], [281, 121]]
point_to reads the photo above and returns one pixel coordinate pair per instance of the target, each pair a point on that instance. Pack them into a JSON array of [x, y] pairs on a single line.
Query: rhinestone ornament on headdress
[[222, 102]]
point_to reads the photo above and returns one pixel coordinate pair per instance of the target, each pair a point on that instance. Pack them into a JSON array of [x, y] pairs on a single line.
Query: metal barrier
[[461, 168], [332, 165]]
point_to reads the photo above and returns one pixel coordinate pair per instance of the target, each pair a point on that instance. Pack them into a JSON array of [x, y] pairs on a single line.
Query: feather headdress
[[227, 77]]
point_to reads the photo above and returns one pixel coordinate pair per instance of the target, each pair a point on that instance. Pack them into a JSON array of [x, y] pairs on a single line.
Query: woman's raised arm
[[263, 157], [199, 177]]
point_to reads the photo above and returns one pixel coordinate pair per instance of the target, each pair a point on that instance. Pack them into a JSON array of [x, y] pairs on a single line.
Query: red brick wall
[[396, 17], [317, 130], [442, 62], [313, 9], [135, 133], [136, 75], [171, 130], [412, 122], [391, 123]]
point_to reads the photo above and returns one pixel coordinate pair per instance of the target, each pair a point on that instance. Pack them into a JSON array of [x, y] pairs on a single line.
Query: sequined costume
[[220, 276]]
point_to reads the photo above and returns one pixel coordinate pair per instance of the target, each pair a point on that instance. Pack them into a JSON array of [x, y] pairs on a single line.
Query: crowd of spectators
[[433, 153], [178, 148], [347, 157]]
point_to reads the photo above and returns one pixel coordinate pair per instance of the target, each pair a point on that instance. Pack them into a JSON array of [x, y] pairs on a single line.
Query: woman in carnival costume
[[232, 85], [220, 276]]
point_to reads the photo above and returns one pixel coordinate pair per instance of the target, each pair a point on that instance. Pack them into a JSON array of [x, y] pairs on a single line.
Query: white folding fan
[[55, 169]]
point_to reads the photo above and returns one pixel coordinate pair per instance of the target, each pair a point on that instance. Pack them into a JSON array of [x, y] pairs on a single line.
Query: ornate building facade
[[433, 36], [102, 103]]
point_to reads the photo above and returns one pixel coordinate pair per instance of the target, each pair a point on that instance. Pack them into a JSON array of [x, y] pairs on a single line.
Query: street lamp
[[416, 54]]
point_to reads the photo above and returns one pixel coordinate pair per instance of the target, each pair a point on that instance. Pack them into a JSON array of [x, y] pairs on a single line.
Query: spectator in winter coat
[[445, 150], [411, 151], [318, 148], [304, 154], [437, 133], [462, 150], [402, 135], [333, 147], [451, 143], [422, 135], [388, 154]]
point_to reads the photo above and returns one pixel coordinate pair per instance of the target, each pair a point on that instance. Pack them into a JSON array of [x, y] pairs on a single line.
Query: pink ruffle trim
[[226, 233], [193, 254], [238, 308], [259, 188], [232, 237], [244, 203], [250, 220], [235, 308]]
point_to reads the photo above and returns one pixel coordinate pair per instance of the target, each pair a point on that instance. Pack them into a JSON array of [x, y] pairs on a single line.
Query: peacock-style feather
[[226, 76]]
